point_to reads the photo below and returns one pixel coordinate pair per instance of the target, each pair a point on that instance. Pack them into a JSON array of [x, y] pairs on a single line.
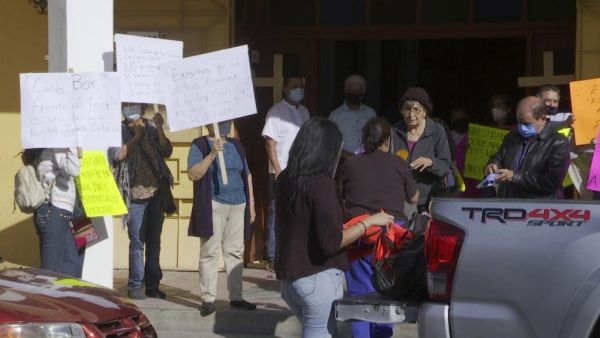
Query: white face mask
[[499, 114], [132, 113]]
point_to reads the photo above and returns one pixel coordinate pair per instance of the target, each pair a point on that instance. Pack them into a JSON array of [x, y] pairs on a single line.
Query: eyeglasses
[[417, 111]]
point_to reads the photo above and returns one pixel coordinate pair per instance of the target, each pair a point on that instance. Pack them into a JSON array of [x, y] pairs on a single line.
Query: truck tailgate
[[375, 308]]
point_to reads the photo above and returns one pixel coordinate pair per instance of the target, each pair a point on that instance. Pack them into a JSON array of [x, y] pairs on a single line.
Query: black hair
[[374, 133], [315, 151], [546, 88], [287, 79], [31, 156]]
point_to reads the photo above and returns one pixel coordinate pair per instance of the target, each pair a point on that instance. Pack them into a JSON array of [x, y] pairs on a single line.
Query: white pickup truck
[[502, 268]]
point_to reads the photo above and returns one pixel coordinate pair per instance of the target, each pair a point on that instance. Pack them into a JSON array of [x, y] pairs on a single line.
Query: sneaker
[[155, 293], [207, 309], [270, 267], [242, 304], [136, 293]]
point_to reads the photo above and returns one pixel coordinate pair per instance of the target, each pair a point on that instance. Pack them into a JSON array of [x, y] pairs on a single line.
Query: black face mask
[[354, 99], [461, 125]]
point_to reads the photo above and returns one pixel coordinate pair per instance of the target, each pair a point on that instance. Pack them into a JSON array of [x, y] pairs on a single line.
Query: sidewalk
[[178, 315]]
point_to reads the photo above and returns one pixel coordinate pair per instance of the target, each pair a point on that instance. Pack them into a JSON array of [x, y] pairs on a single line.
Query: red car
[[38, 303]]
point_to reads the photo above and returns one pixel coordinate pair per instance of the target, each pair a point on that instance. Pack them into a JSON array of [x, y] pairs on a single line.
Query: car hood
[[34, 295]]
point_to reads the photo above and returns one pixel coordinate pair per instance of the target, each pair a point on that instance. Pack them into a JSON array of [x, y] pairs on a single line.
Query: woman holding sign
[[143, 177], [422, 142], [221, 213]]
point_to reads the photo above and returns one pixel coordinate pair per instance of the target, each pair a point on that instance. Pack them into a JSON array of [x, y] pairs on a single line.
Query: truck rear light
[[442, 248]]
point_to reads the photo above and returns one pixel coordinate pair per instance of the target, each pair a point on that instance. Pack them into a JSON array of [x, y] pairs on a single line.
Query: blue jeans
[[58, 252], [144, 228], [311, 300], [271, 245], [358, 281]]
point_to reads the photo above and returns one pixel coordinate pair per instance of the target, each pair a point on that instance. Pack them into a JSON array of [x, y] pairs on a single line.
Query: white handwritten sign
[[70, 110], [138, 60], [208, 88]]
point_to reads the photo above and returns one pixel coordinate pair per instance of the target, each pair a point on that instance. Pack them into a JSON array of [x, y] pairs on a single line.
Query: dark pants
[[358, 280], [58, 252], [144, 228], [270, 245]]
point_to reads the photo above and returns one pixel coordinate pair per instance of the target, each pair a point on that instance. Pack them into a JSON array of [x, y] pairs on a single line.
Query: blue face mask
[[551, 110], [527, 130], [296, 94]]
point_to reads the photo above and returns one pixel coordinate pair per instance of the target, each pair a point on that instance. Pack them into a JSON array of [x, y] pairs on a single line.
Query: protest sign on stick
[[593, 182], [138, 61], [207, 89], [483, 143], [60, 110]]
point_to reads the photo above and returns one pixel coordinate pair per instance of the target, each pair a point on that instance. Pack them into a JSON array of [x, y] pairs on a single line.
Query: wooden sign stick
[[221, 157]]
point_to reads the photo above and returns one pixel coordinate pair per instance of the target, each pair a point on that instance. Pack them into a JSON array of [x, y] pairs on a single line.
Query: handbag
[[84, 232], [164, 189]]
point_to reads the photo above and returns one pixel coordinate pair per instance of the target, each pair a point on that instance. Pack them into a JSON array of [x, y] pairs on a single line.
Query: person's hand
[[158, 120], [217, 146], [379, 219], [252, 212], [504, 175], [491, 168], [421, 163], [139, 128]]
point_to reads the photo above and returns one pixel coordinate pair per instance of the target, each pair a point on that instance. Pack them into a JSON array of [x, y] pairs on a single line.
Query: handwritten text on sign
[[97, 187], [483, 143], [585, 101], [138, 60], [60, 110], [208, 88]]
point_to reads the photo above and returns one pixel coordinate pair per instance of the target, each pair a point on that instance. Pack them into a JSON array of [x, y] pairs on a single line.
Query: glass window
[[444, 11], [551, 10], [293, 12], [343, 12], [498, 11], [393, 11]]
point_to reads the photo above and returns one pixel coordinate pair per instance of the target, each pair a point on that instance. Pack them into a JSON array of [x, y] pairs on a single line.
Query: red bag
[[389, 242], [370, 237]]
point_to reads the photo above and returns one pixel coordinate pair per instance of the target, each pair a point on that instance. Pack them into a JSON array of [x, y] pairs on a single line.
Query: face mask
[[296, 94], [224, 128], [527, 130], [132, 113], [551, 110], [354, 99], [499, 114], [461, 125]]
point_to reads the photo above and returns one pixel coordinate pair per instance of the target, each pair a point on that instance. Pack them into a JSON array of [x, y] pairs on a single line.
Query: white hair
[[355, 78]]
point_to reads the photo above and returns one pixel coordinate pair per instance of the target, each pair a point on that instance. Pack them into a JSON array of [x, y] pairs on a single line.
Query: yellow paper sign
[[483, 143], [585, 101], [97, 187]]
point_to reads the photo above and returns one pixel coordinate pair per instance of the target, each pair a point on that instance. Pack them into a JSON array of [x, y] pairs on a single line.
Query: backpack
[[400, 273], [29, 192]]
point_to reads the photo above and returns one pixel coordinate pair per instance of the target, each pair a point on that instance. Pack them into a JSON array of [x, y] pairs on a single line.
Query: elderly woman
[[310, 237], [370, 182], [221, 213], [422, 143]]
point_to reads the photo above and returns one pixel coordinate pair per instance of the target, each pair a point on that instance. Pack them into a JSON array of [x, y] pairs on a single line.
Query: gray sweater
[[433, 144]]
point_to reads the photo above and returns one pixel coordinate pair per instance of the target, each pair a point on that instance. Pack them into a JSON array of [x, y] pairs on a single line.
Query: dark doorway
[[455, 72]]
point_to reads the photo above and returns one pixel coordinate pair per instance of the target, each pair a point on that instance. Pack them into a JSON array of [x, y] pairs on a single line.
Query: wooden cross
[[548, 77], [276, 82]]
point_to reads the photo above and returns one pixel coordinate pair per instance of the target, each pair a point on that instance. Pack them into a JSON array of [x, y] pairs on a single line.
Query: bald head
[[531, 105]]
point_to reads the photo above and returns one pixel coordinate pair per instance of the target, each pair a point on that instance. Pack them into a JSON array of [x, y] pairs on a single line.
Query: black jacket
[[433, 144], [542, 169]]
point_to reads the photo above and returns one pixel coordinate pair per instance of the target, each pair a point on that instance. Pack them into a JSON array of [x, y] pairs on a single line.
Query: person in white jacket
[[57, 170]]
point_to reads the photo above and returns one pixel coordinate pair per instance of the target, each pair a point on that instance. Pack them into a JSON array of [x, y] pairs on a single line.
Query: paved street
[[178, 315]]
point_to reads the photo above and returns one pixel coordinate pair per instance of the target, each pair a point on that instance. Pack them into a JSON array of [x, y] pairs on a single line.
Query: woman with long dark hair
[[310, 238]]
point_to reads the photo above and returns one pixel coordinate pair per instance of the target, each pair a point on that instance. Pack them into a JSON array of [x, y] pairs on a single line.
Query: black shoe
[[155, 293], [207, 308], [242, 304]]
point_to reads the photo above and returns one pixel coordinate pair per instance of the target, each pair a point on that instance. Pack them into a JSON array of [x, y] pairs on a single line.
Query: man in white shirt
[[352, 115], [283, 121]]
